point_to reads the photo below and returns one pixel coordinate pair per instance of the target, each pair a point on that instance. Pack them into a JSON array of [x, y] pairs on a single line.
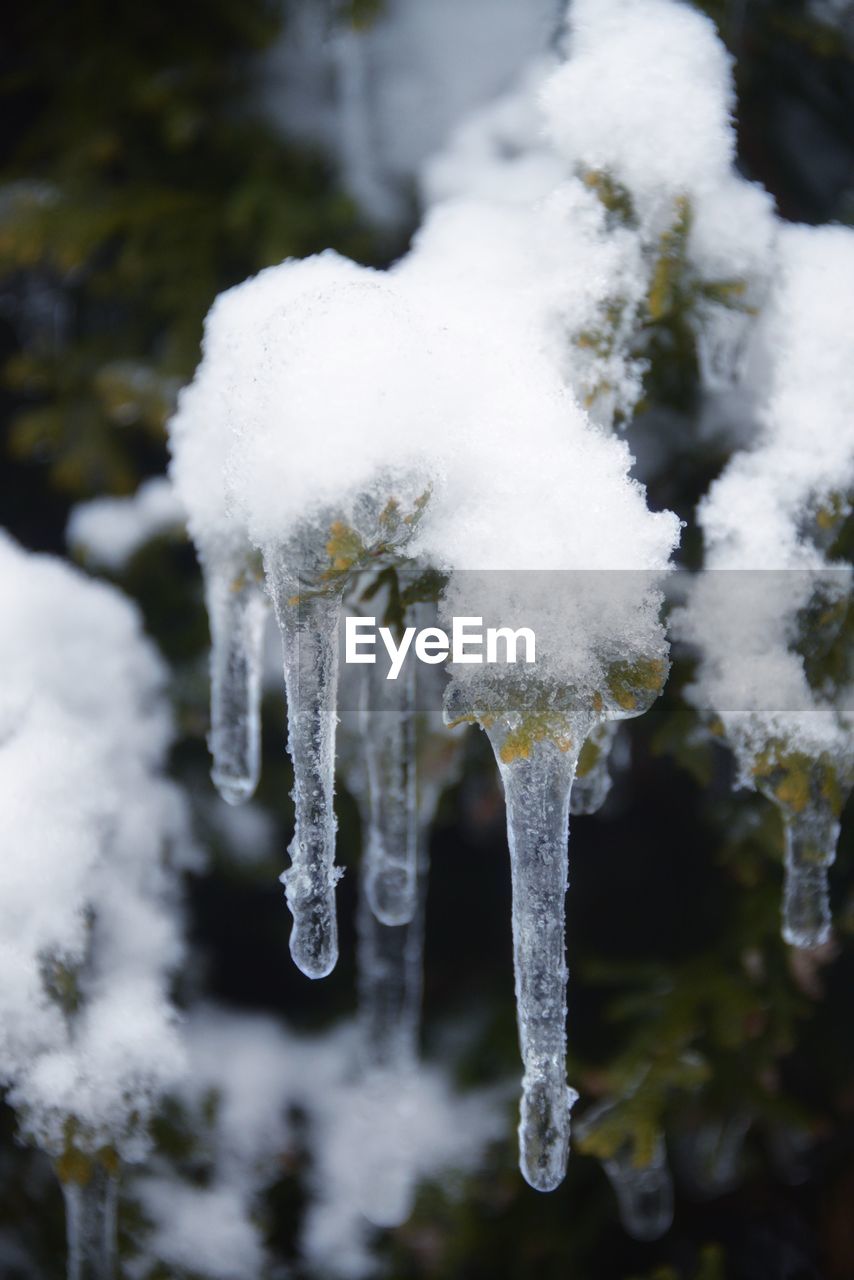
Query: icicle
[[390, 870], [237, 611], [809, 791], [308, 621], [386, 1117], [721, 343], [356, 131], [641, 1180], [389, 979], [537, 790], [90, 1217], [810, 850], [593, 775], [644, 1193], [389, 982]]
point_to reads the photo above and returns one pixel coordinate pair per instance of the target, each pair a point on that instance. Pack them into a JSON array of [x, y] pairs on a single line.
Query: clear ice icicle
[[810, 851], [644, 1193], [809, 791], [390, 961], [308, 621], [237, 612], [390, 868], [537, 791], [721, 342], [593, 775], [644, 1188], [389, 983], [90, 1219]]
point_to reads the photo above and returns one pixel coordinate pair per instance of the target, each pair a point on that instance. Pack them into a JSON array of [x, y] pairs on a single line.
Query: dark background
[[166, 185]]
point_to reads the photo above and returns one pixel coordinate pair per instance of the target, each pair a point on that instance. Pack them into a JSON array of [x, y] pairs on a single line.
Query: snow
[[768, 521], [108, 532], [646, 96], [204, 1230], [88, 903], [371, 1139]]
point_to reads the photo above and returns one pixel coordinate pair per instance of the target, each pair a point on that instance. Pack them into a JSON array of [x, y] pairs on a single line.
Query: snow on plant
[[632, 219], [236, 606], [454, 417], [772, 626], [599, 203], [108, 532], [88, 911], [376, 423], [369, 1148]]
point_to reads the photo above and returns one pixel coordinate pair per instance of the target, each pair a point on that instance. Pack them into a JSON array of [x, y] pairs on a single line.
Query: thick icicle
[[237, 611], [810, 851], [537, 792], [308, 621], [390, 868], [90, 1217]]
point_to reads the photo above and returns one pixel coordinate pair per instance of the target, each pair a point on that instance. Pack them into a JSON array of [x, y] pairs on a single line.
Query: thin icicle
[[810, 851], [537, 791], [390, 959], [641, 1182], [809, 789], [644, 1192], [390, 870], [237, 611], [90, 1217], [308, 622], [721, 347], [593, 774]]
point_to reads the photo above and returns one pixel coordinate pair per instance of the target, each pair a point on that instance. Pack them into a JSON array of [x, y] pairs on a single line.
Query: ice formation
[[395, 758], [400, 441], [89, 933], [457, 414], [622, 162], [770, 620], [380, 89], [641, 1181]]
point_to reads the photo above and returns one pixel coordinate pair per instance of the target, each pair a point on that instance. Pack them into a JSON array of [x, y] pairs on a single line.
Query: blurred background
[[155, 154]]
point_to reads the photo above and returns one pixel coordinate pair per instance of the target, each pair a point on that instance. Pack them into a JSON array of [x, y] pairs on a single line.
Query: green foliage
[[142, 185]]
